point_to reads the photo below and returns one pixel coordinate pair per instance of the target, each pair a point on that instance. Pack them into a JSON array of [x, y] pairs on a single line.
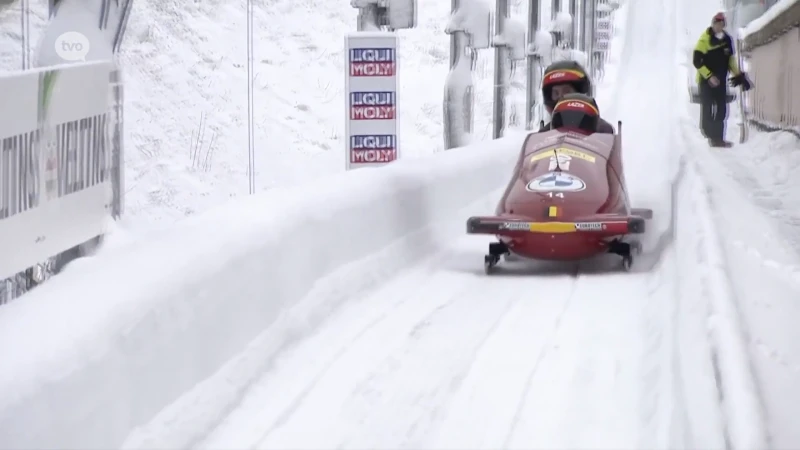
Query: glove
[[741, 80]]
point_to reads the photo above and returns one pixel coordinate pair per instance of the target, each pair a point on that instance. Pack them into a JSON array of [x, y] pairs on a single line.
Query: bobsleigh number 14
[[567, 201]]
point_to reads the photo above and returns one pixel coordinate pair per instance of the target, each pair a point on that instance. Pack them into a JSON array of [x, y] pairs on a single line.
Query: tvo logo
[[72, 46]]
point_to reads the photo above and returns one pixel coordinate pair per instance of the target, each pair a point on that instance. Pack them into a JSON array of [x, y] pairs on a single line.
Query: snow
[[185, 70], [776, 10], [351, 311], [562, 22], [458, 85], [755, 184], [149, 343], [604, 7], [474, 17], [542, 44], [515, 38]]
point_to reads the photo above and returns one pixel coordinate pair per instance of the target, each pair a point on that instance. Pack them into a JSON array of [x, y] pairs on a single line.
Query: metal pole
[[250, 131], [573, 11], [582, 44], [531, 83], [592, 23], [25, 18], [454, 41], [117, 146], [368, 18], [588, 21], [501, 70], [458, 89]]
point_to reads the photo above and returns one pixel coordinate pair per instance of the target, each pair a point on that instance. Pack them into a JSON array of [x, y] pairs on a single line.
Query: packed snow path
[[442, 357]]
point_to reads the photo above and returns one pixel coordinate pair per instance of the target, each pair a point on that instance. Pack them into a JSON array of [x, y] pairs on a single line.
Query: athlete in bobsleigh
[[568, 77], [578, 113]]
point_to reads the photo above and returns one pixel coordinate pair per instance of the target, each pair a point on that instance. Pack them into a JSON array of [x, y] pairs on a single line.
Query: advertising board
[[602, 36], [371, 99]]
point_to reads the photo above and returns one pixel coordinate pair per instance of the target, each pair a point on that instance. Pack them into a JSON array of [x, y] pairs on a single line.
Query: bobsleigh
[[566, 201]]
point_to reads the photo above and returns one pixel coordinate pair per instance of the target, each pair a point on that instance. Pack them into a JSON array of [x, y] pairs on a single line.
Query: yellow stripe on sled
[[562, 151], [553, 227]]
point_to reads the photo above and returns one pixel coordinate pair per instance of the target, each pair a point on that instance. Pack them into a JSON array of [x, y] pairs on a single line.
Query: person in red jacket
[[567, 77]]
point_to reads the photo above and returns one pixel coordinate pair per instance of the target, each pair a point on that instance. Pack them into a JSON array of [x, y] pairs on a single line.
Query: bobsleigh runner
[[567, 199]]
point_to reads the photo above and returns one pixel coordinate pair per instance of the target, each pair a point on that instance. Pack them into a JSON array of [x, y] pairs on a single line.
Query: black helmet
[[564, 72], [577, 111]]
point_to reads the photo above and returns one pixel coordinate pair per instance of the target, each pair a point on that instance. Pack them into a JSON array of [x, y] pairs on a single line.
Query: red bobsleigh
[[567, 199]]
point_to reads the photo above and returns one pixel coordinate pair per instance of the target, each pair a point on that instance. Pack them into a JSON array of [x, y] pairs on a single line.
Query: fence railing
[[771, 47], [60, 166]]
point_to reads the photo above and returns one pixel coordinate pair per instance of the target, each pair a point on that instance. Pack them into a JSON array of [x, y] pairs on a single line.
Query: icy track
[[391, 336]]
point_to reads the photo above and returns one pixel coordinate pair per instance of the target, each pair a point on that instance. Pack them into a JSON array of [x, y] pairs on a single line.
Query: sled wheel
[[489, 263]]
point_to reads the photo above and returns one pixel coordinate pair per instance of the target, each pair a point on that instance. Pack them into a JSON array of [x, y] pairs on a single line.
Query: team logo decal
[[556, 182], [559, 162]]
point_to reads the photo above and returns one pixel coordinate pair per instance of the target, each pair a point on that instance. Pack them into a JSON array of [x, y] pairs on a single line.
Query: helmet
[[719, 17], [576, 111], [564, 72]]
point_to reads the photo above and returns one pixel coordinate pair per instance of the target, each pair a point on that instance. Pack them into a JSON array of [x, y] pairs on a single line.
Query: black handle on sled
[[541, 124], [619, 127]]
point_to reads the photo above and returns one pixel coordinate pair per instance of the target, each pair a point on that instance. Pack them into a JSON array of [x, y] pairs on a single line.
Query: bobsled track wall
[[111, 359]]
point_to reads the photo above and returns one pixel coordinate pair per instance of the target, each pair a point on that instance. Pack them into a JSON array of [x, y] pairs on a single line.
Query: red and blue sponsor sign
[[373, 148], [379, 105], [373, 62]]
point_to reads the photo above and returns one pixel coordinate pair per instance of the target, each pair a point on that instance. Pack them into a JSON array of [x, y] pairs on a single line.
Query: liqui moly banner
[[371, 89], [603, 31]]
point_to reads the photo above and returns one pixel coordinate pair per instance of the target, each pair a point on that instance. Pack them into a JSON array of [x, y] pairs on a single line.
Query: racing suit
[[602, 127], [714, 56]]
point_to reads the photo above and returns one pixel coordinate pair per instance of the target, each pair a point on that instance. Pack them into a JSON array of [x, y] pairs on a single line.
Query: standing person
[[714, 58]]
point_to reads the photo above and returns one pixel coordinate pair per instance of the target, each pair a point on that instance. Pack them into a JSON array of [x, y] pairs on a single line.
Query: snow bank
[[703, 274], [101, 349], [775, 11], [756, 185]]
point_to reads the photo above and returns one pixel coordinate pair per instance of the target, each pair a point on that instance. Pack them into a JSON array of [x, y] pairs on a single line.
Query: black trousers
[[714, 109]]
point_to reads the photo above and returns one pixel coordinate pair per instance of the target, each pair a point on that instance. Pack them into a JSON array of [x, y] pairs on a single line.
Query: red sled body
[[567, 200]]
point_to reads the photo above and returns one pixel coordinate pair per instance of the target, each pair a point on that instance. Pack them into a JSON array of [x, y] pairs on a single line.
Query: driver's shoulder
[[605, 127]]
